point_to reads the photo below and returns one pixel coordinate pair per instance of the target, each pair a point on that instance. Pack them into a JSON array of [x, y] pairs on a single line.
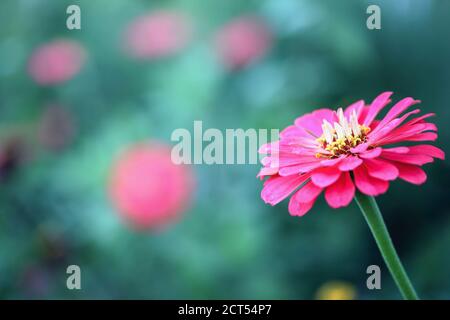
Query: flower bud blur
[[147, 188], [157, 34], [243, 41], [56, 62]]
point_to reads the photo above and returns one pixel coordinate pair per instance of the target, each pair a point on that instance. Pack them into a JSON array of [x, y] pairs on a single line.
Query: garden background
[[73, 101]]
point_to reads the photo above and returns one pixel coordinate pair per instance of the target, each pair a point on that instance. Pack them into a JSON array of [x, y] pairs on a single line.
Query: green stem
[[374, 219]]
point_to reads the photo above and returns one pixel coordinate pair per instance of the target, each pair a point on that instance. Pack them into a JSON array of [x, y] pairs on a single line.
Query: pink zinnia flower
[[56, 62], [334, 151], [147, 188], [242, 41], [157, 34]]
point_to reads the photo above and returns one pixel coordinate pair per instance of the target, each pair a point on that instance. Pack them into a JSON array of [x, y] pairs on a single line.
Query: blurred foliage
[[54, 206]]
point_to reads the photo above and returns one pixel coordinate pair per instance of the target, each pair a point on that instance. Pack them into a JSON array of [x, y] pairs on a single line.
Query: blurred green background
[[54, 204]]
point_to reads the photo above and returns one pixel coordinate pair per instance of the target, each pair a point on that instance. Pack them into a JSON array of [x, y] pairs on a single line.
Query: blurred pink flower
[[242, 41], [147, 188], [334, 151], [157, 34], [56, 62]]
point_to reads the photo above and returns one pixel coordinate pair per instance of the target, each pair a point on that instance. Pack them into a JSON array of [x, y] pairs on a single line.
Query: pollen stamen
[[339, 138]]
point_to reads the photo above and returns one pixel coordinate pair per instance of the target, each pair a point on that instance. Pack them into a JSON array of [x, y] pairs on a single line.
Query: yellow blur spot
[[336, 290]]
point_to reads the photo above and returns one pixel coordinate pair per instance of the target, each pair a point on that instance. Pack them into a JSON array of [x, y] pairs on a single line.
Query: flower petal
[[425, 136], [267, 172], [341, 193], [299, 209], [269, 148], [375, 107], [357, 106], [381, 169], [325, 176], [360, 148], [420, 119], [380, 133], [303, 200], [367, 184], [397, 150], [331, 162], [312, 122], [408, 133], [290, 159], [397, 109], [372, 153], [428, 150], [292, 131], [410, 173], [417, 159], [300, 168], [307, 193], [326, 114], [349, 163], [277, 188]]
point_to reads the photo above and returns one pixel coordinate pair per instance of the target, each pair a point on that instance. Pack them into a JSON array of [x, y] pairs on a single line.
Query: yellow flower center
[[343, 135]]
